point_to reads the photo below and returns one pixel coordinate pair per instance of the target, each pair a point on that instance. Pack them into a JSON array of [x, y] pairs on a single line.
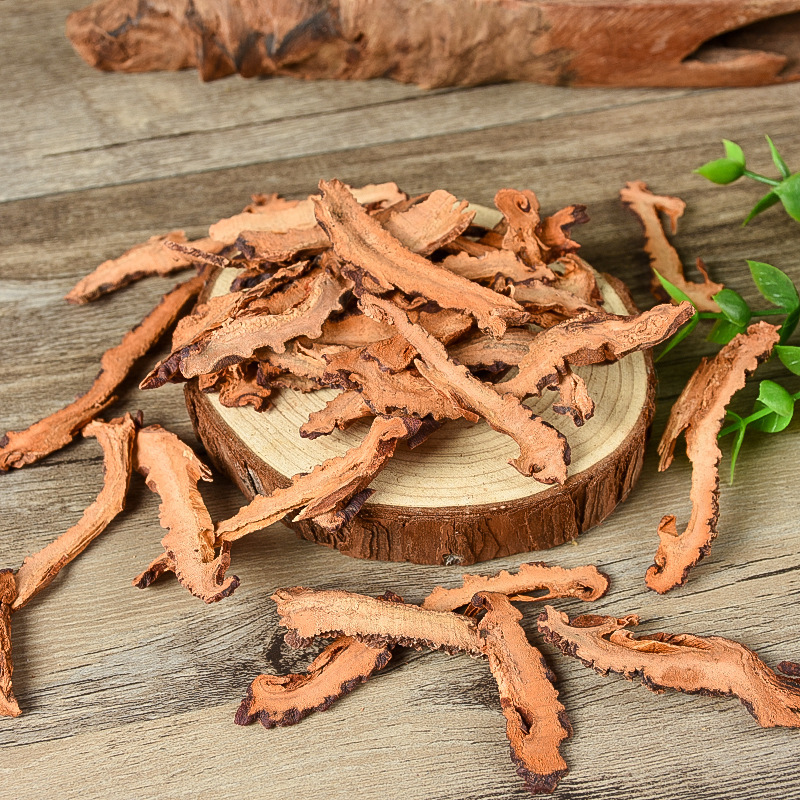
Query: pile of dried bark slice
[[378, 318]]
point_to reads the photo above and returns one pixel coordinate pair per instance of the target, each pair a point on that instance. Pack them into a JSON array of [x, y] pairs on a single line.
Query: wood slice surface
[[454, 499]]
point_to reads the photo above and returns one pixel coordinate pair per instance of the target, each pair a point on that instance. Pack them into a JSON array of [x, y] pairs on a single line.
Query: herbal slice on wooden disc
[[453, 499]]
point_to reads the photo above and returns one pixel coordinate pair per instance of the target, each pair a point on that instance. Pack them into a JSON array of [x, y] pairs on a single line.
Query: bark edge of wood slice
[[256, 450]]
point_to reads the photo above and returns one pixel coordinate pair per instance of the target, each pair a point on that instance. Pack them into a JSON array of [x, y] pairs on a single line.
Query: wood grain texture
[[132, 693]]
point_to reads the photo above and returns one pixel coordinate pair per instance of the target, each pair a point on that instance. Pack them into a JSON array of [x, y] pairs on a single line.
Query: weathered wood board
[[132, 693]]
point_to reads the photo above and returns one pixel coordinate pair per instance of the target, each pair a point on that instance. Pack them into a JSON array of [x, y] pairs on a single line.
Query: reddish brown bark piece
[[238, 337], [354, 330], [431, 223], [346, 662], [326, 488], [8, 592], [589, 339], [172, 470], [149, 258], [311, 614], [278, 700], [579, 42], [239, 387], [38, 570], [523, 227], [391, 393], [359, 240], [699, 412], [544, 452], [584, 583], [548, 305], [54, 432], [708, 665], [664, 259], [536, 721], [481, 351], [487, 266], [338, 414], [280, 215]]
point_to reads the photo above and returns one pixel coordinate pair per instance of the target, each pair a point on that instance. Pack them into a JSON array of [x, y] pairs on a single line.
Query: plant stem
[[752, 418], [761, 178]]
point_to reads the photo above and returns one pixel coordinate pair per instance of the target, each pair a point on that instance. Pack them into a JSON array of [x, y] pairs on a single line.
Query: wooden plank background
[[128, 693]]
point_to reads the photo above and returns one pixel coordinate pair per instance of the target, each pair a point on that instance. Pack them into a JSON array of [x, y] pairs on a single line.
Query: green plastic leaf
[[721, 171], [772, 423], [789, 193], [724, 330], [734, 307], [777, 159], [737, 445], [789, 324], [767, 201], [733, 152], [672, 290], [774, 397], [775, 285], [680, 336], [790, 357]]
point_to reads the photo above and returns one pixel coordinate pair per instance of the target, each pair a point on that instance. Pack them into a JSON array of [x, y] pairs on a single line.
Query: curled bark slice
[[700, 411], [338, 414], [707, 665], [487, 266], [536, 722], [8, 592], [283, 215], [523, 224], [173, 471], [359, 240], [54, 432], [38, 570], [480, 351], [327, 487], [283, 246], [554, 231], [592, 339], [239, 387], [149, 258], [430, 224], [393, 393], [310, 614], [544, 452], [277, 700], [354, 330], [238, 337], [664, 259], [548, 304], [584, 583]]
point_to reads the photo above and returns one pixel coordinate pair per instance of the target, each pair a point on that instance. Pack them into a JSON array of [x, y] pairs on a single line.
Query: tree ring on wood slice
[[454, 499]]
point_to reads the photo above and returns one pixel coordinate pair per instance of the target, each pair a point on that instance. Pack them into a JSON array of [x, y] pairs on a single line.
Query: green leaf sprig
[[733, 166], [774, 408]]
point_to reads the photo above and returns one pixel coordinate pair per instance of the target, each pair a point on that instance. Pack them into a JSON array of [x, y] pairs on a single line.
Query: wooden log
[[452, 42], [454, 499]]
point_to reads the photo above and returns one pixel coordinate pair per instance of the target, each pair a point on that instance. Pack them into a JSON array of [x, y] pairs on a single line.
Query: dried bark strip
[[487, 266], [327, 487], [700, 412], [522, 228], [239, 387], [536, 722], [481, 351], [664, 259], [278, 700], [152, 257], [590, 339], [707, 665], [38, 570], [544, 452], [281, 215], [584, 583], [8, 592], [360, 241], [237, 338], [311, 614], [54, 432], [172, 470], [338, 414], [392, 393]]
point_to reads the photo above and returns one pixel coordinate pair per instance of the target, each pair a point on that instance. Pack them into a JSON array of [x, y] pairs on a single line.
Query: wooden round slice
[[455, 499]]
